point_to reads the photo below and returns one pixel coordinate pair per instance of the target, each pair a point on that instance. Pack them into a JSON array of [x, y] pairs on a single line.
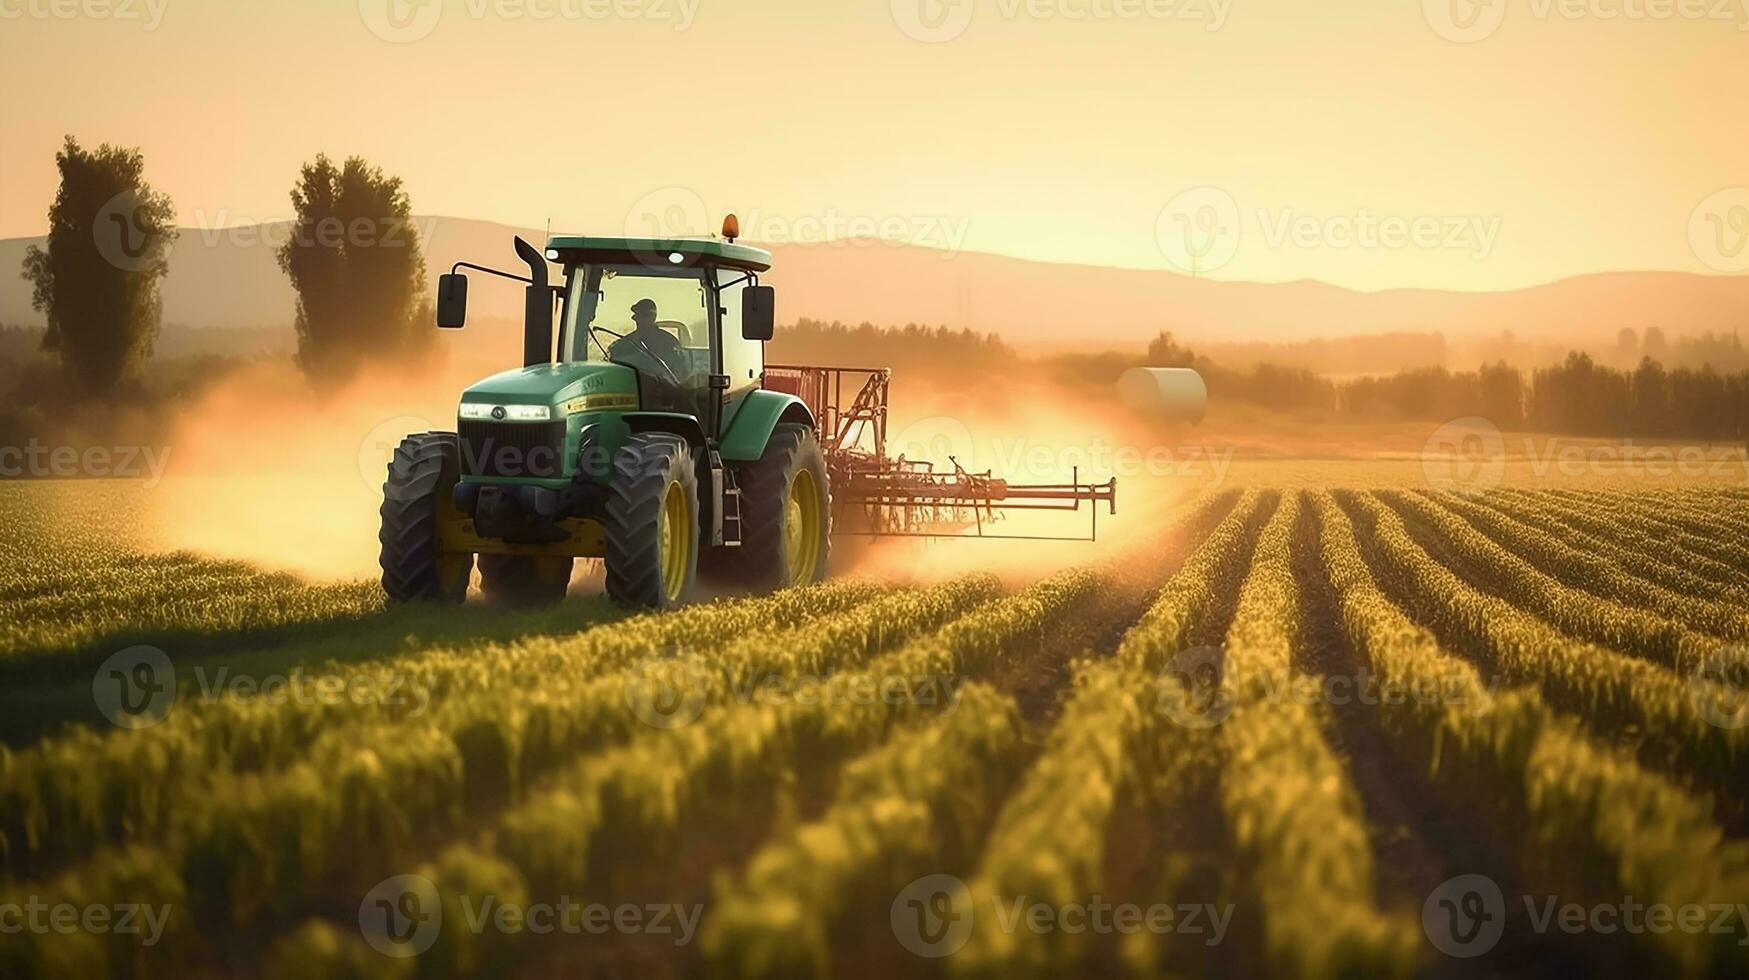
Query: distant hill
[[230, 278]]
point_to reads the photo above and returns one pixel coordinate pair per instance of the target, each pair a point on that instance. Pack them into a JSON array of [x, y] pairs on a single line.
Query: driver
[[650, 347]]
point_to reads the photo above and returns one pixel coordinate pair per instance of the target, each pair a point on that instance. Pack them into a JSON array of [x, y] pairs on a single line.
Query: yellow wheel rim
[[801, 528], [676, 545]]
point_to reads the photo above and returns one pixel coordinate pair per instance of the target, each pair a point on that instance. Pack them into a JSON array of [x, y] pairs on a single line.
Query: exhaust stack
[[537, 316]]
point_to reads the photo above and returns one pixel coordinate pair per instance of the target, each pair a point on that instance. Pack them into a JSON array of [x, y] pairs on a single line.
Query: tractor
[[658, 440]]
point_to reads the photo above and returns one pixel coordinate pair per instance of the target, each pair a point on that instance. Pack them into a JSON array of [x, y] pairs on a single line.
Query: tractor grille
[[513, 449]]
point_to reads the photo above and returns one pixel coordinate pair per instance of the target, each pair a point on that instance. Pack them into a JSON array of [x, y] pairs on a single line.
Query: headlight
[[506, 413]]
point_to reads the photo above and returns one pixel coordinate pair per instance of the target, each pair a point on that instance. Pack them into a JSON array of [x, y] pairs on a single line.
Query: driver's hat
[[644, 304]]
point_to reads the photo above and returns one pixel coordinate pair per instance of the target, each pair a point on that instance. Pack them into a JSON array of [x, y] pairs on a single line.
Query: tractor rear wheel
[[524, 580], [786, 515], [652, 523], [417, 503]]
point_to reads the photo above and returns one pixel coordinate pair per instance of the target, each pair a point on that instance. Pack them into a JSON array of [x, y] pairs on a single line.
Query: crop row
[[1614, 693], [1572, 809], [1583, 568], [1630, 547], [1293, 815], [636, 801], [1049, 839], [1592, 617], [252, 845], [74, 792]]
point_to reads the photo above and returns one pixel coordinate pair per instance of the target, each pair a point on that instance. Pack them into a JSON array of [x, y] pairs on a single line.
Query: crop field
[[1295, 732]]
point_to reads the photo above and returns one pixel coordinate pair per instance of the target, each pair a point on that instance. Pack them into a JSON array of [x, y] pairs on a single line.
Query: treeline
[[914, 349], [1577, 397]]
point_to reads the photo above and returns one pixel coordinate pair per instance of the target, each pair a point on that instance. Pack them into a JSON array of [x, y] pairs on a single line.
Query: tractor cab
[[675, 312], [635, 431]]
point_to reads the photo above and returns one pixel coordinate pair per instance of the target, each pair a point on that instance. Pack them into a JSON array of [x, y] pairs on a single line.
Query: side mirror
[[758, 312], [452, 301]]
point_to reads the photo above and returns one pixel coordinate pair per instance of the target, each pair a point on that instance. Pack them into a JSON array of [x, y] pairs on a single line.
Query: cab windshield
[[655, 311], [653, 320]]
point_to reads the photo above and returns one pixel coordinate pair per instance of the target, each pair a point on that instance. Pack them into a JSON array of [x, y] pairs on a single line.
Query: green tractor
[[646, 439]]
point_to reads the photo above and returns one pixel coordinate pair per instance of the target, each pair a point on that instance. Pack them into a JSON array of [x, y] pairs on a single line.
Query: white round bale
[[1168, 394]]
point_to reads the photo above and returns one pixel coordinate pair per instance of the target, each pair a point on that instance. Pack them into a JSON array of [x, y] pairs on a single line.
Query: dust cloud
[[266, 469]]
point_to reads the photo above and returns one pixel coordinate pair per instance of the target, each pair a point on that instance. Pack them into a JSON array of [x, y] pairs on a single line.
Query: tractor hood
[[568, 389]]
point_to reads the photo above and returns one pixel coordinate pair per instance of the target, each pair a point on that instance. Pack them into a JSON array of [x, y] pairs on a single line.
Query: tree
[[1164, 351], [97, 281], [354, 259]]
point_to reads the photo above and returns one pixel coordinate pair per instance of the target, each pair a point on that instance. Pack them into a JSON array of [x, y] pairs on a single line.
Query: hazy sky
[[1371, 143]]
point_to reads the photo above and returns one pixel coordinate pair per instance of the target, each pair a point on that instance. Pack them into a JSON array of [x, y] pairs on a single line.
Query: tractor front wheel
[[786, 514], [652, 523], [417, 503], [524, 580]]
